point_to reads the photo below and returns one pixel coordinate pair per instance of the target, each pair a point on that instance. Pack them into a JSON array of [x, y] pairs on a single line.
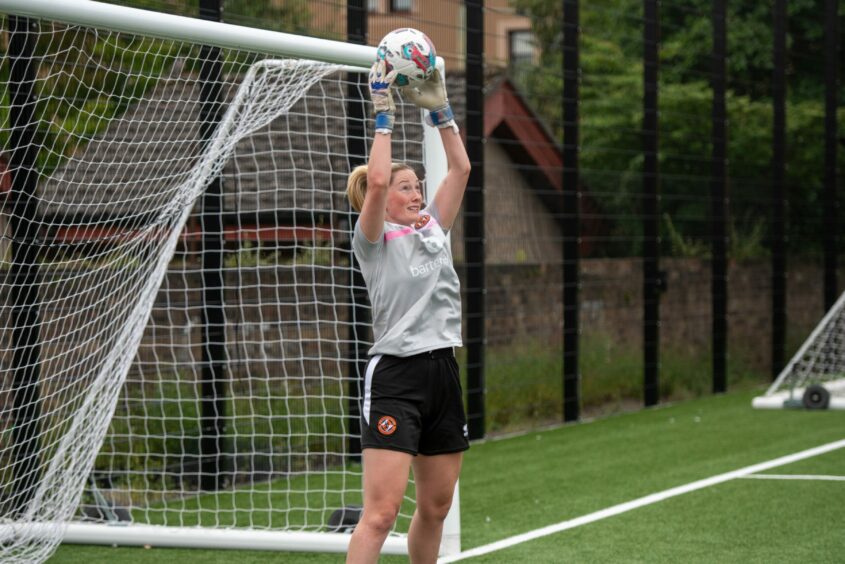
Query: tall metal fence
[[652, 212]]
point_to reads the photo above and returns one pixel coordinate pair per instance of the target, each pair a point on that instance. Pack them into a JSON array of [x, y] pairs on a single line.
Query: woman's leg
[[435, 478], [385, 481]]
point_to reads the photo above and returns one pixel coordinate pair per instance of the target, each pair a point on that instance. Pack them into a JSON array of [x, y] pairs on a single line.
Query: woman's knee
[[380, 518], [434, 509]]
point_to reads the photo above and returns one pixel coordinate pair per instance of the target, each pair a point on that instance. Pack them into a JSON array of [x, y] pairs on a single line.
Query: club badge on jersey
[[422, 221]]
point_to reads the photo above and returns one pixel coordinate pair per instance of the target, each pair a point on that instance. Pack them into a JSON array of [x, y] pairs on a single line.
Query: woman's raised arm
[[431, 95], [378, 168]]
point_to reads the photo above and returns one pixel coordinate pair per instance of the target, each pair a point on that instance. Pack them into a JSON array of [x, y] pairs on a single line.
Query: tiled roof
[[297, 162]]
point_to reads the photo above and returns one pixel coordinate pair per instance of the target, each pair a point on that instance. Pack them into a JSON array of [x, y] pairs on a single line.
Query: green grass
[[157, 426], [790, 522], [300, 501], [588, 467], [518, 484], [524, 380]]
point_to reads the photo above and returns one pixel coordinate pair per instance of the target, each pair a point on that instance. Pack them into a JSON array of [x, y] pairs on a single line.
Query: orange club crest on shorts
[[387, 425]]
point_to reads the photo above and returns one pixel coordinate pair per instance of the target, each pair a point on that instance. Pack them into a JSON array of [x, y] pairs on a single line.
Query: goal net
[[181, 321], [815, 376]]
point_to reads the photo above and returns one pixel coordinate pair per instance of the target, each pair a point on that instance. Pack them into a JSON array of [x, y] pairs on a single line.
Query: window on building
[[401, 5], [521, 48], [374, 5]]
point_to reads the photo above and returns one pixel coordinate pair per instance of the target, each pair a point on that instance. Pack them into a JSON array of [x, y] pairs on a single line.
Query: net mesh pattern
[[106, 405]]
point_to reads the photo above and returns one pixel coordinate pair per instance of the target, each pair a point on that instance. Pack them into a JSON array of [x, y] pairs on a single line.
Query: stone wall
[[525, 303], [282, 320]]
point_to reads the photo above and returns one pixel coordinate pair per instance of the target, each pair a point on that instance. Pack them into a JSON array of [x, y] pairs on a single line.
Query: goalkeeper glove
[[431, 96], [382, 97]]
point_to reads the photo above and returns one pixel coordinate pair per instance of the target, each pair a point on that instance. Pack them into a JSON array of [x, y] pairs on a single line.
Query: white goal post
[[814, 378], [114, 228]]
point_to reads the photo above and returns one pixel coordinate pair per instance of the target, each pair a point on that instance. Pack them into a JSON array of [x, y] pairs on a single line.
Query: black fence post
[[572, 212], [651, 209], [474, 219], [778, 191], [831, 200], [359, 319], [214, 355], [719, 203], [24, 274]]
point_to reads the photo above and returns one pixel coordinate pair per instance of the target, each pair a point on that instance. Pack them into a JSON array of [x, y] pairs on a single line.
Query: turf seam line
[[641, 502]]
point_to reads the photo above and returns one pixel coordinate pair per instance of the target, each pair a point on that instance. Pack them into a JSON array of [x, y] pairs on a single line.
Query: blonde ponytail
[[356, 184], [356, 187]]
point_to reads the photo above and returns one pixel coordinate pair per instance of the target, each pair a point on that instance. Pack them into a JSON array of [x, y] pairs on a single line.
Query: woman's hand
[[429, 95], [381, 83]]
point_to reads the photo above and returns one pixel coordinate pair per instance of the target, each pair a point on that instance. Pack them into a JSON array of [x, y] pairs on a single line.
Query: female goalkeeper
[[412, 414]]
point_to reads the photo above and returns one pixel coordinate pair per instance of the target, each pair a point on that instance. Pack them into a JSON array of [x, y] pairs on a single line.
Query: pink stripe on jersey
[[398, 233], [390, 235]]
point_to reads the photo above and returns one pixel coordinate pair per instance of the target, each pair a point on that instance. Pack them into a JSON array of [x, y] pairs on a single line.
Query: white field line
[[641, 502], [795, 477]]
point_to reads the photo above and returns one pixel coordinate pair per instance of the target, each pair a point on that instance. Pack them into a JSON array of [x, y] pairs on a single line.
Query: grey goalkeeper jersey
[[413, 287]]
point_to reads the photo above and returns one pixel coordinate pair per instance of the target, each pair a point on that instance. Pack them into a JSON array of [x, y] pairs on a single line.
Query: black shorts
[[414, 404]]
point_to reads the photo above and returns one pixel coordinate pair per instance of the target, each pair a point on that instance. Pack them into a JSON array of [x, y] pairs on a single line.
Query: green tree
[[611, 117], [686, 44], [107, 90]]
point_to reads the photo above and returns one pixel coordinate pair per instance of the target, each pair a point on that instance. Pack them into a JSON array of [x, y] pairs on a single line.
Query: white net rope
[[119, 278]]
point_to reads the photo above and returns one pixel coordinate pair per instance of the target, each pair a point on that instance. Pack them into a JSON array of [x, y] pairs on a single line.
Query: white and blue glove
[[431, 95], [381, 83]]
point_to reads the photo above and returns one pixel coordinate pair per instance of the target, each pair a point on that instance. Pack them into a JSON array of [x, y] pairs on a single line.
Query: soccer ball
[[410, 52]]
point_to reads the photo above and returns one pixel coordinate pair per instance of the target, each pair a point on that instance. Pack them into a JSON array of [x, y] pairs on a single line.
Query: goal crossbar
[[181, 28]]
